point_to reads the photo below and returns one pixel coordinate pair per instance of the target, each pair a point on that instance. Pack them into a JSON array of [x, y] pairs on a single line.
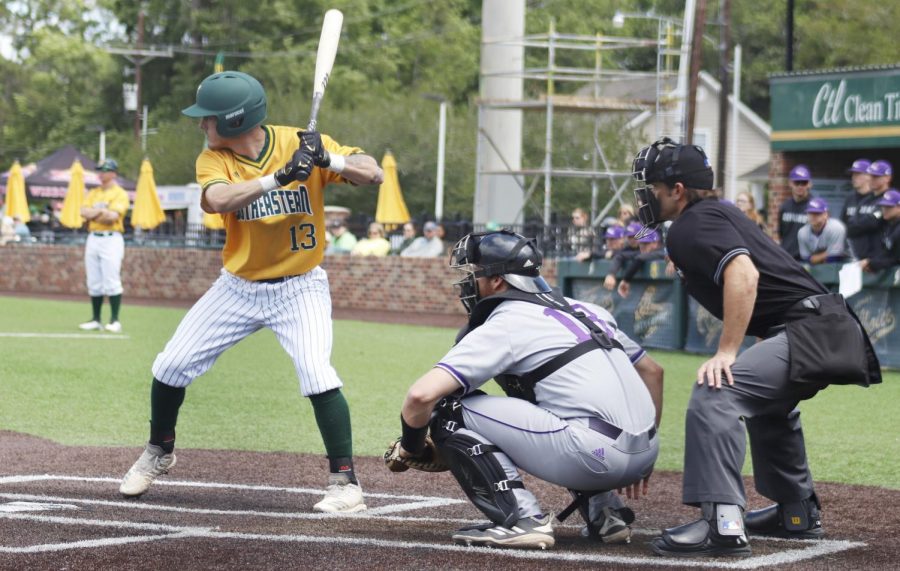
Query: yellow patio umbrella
[[16, 202], [213, 221], [147, 213], [70, 215], [391, 210]]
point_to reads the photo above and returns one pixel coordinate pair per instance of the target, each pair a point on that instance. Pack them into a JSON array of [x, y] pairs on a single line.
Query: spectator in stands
[[7, 231], [427, 246], [374, 244], [626, 214], [889, 255], [342, 240], [792, 214], [614, 240], [822, 240], [442, 234], [651, 250], [862, 241], [581, 237], [745, 202], [621, 258], [23, 233], [409, 234]]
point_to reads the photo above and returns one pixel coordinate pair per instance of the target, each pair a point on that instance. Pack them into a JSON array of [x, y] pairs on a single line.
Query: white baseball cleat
[[152, 463], [341, 496], [534, 532], [114, 327], [91, 326]]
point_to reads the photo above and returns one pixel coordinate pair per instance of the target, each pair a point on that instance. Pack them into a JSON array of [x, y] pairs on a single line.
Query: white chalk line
[[818, 549], [811, 549], [64, 335], [141, 505], [216, 485]]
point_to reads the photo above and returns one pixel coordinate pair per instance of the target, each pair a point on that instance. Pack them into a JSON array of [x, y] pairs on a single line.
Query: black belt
[[277, 280], [101, 234], [612, 431]]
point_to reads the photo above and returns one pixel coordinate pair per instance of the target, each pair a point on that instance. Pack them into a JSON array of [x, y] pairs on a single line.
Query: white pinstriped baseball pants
[[298, 311]]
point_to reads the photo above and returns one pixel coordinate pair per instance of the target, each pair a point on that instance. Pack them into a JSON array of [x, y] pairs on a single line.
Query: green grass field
[[94, 390]]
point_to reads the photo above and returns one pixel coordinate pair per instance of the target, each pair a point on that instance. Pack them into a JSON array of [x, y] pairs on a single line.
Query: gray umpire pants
[[764, 397]]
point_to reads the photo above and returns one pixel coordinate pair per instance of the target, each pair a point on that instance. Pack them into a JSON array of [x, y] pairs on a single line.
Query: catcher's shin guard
[[481, 477]]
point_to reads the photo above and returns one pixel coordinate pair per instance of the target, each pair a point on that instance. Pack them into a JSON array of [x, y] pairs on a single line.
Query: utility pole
[[789, 56], [724, 53], [139, 56], [694, 73]]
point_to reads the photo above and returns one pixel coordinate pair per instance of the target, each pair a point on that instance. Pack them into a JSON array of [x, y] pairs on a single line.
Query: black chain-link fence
[[555, 240]]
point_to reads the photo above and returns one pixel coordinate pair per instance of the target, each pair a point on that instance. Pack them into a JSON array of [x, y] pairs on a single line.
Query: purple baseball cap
[[860, 165], [632, 229], [800, 172], [614, 232], [817, 205], [652, 236], [890, 198], [880, 168]]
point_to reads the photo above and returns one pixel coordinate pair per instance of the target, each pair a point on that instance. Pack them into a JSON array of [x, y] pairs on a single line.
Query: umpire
[[809, 338]]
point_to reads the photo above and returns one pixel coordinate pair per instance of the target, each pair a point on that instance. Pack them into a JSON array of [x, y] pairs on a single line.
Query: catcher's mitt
[[428, 461]]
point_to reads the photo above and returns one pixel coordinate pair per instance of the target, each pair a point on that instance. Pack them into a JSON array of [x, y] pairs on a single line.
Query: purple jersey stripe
[[637, 356], [456, 374]]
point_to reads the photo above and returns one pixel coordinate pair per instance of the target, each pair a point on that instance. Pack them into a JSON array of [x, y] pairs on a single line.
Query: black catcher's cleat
[[719, 532]]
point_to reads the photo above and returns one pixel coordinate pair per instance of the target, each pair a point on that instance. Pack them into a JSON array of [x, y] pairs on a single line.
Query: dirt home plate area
[[60, 509]]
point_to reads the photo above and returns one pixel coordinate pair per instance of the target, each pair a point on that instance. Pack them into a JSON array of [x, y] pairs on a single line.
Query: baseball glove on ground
[[428, 461]]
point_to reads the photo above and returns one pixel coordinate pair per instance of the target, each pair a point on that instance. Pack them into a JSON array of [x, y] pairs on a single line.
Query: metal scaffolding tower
[[588, 99]]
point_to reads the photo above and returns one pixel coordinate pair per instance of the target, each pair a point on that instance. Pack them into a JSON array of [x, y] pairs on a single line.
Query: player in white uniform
[[104, 209], [589, 399], [268, 187]]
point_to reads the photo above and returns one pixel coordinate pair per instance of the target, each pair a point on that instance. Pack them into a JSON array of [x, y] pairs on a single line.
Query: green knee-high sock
[[96, 304], [333, 418], [115, 301], [164, 404]]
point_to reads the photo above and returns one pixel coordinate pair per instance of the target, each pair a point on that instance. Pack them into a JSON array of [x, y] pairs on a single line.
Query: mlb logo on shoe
[[732, 525]]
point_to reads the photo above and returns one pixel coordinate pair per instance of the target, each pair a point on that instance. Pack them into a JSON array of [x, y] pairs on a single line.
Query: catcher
[[587, 404]]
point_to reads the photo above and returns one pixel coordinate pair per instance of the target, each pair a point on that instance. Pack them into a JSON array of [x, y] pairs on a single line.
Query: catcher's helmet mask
[[237, 101], [498, 253], [668, 162]]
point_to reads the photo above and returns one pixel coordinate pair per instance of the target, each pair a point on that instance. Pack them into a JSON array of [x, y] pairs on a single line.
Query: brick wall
[[779, 188], [383, 284]]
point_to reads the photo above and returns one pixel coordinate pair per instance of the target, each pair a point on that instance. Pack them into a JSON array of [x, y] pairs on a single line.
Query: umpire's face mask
[[645, 171]]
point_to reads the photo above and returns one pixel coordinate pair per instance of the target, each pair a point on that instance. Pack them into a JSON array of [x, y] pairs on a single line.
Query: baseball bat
[[328, 43]]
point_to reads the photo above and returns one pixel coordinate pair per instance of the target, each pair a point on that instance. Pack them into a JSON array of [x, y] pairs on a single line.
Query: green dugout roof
[[848, 108]]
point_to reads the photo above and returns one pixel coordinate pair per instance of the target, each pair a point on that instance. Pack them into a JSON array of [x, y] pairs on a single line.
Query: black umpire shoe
[[795, 520], [719, 532]]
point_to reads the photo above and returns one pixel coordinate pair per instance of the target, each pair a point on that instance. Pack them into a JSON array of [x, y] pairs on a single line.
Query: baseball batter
[[104, 209], [809, 339], [586, 422], [268, 185]]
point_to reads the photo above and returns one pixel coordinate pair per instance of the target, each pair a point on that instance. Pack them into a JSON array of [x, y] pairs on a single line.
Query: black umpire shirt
[[791, 218], [708, 235]]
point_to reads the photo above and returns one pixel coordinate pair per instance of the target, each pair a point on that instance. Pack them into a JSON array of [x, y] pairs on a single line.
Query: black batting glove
[[298, 168], [311, 142]]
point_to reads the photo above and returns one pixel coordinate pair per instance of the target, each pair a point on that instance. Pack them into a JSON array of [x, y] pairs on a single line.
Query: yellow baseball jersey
[[113, 198], [282, 232]]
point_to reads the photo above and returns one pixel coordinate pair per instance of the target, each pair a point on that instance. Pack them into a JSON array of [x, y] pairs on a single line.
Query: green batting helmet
[[235, 99]]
